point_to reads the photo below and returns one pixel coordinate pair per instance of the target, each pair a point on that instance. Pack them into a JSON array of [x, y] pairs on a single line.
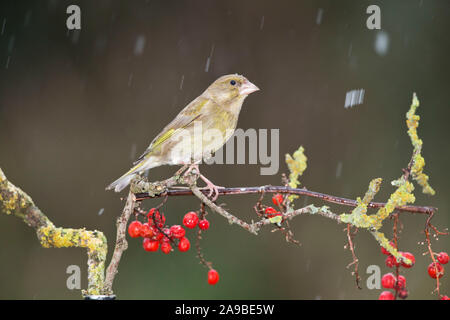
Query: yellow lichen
[[412, 121], [358, 216], [384, 242], [297, 164], [10, 203], [93, 241]]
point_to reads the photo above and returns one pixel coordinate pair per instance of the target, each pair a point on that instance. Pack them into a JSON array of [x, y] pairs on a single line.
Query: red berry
[[159, 217], [271, 212], [403, 294], [435, 270], [391, 262], [213, 277], [203, 224], [386, 295], [388, 281], [445, 298], [146, 231], [168, 234], [184, 244], [401, 282], [150, 245], [177, 231], [134, 229], [190, 220], [384, 251], [277, 199], [410, 256], [166, 247], [156, 234], [443, 257]]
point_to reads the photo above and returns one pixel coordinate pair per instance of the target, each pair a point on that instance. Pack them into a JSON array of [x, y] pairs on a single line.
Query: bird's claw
[[213, 193], [213, 189]]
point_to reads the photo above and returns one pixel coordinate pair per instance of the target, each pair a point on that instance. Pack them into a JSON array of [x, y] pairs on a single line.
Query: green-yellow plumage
[[199, 130]]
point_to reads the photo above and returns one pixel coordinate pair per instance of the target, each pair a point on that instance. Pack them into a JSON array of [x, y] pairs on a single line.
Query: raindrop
[[319, 16], [7, 62], [207, 64], [261, 26], [339, 170], [139, 45], [208, 61], [354, 97], [3, 25], [100, 212], [382, 43], [182, 81]]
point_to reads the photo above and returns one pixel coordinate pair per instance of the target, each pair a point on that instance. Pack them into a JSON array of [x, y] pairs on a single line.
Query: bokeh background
[[77, 107]]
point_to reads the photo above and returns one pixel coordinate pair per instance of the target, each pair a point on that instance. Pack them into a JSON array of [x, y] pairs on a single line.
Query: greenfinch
[[199, 130]]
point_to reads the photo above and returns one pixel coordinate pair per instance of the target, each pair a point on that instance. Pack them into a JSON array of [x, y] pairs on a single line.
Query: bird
[[199, 130]]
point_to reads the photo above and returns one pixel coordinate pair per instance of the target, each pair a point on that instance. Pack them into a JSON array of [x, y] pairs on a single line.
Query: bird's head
[[230, 87]]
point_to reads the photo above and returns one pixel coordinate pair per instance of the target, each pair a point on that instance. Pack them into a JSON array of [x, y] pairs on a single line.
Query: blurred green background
[[76, 108]]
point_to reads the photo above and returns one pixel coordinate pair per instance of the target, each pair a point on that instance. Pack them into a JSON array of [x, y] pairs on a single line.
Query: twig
[[121, 242], [395, 232], [355, 261], [430, 251]]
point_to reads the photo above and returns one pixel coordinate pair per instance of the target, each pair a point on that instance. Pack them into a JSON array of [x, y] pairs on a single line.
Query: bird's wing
[[186, 116]]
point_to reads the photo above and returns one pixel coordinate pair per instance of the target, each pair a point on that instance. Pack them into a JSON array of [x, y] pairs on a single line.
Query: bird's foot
[[191, 167], [213, 189]]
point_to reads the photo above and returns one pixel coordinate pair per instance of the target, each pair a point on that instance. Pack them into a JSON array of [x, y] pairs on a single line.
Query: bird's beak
[[247, 87]]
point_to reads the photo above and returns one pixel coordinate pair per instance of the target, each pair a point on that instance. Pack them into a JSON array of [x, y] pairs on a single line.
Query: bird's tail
[[124, 180], [121, 183]]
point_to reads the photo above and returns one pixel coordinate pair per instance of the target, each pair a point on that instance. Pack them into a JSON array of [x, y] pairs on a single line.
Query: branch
[[254, 227], [14, 201], [285, 190]]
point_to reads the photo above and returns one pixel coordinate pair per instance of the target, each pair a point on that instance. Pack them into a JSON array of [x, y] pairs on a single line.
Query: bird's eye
[[232, 82]]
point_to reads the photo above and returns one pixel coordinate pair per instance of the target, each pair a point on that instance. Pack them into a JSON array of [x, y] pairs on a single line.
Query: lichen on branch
[[412, 121], [400, 197], [14, 201], [297, 164]]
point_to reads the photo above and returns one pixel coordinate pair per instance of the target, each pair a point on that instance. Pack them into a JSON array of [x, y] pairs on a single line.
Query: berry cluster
[[191, 220], [157, 235], [271, 212], [436, 270], [390, 281]]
